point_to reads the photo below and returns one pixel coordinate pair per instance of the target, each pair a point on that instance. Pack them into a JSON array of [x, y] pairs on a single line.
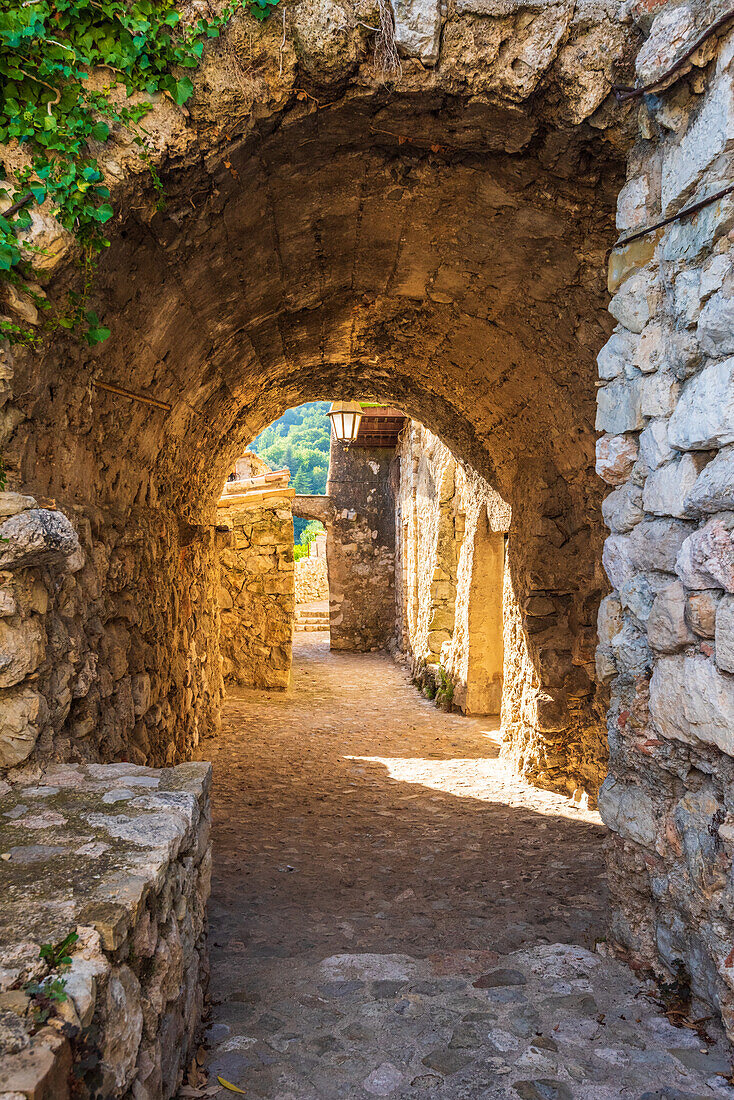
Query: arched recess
[[459, 276]]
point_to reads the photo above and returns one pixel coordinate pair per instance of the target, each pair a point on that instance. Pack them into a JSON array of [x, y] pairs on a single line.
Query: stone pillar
[[486, 650], [360, 547]]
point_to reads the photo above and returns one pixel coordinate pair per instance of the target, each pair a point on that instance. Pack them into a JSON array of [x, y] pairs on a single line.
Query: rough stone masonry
[[666, 633], [440, 243]]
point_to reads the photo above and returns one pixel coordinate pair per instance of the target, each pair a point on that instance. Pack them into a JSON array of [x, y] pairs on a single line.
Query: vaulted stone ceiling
[[465, 285]]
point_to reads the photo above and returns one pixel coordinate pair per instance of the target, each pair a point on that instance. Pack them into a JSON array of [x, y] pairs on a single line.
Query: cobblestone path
[[393, 914]]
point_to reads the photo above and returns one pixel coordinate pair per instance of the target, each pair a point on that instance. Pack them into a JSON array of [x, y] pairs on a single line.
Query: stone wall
[[666, 633], [108, 634], [256, 591], [445, 515], [494, 613], [312, 582], [120, 855], [360, 547]]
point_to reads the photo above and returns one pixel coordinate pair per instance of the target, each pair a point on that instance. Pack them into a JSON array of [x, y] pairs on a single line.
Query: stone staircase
[[312, 618]]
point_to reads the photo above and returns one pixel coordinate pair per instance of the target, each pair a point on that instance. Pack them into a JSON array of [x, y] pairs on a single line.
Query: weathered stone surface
[[638, 594], [710, 134], [704, 415], [326, 43], [667, 488], [706, 557], [631, 652], [311, 580], [655, 544], [658, 394], [256, 589], [633, 303], [622, 509], [617, 559], [724, 634], [104, 883], [692, 701], [615, 457], [12, 503], [618, 407], [617, 354], [716, 326], [650, 351], [22, 714], [628, 810], [713, 490], [418, 28], [36, 537], [654, 446], [22, 648], [701, 611], [672, 30], [667, 629], [124, 1027], [609, 619]]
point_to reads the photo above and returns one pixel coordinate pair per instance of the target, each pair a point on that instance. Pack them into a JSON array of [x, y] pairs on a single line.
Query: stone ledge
[[121, 855]]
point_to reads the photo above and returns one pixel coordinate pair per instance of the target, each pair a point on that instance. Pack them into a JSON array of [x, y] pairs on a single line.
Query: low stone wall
[[121, 855], [256, 594], [312, 582]]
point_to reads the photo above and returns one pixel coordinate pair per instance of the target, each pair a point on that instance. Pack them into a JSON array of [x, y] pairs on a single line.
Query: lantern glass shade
[[345, 419]]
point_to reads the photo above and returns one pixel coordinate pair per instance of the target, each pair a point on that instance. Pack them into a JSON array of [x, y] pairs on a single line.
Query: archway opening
[[461, 284]]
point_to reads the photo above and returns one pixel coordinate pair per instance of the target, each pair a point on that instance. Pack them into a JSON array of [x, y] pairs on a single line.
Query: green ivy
[[48, 49]]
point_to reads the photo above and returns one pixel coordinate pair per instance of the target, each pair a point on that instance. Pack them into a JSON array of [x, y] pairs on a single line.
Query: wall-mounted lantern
[[345, 420]]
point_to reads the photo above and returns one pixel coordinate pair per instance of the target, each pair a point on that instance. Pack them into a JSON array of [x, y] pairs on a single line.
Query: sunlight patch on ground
[[485, 779]]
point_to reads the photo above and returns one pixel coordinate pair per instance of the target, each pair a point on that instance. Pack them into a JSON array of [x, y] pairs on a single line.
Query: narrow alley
[[394, 914]]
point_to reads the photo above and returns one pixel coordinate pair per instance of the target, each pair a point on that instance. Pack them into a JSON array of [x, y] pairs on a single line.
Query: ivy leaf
[[183, 90], [104, 213], [39, 192], [100, 131], [96, 333]]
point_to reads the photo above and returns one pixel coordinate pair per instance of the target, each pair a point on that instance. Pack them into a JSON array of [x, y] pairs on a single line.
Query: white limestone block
[[709, 134], [666, 488], [703, 418], [692, 701]]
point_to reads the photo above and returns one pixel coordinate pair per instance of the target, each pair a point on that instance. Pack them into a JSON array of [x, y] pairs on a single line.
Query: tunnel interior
[[457, 272]]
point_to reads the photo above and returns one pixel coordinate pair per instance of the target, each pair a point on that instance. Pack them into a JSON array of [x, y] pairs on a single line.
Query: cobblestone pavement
[[393, 914]]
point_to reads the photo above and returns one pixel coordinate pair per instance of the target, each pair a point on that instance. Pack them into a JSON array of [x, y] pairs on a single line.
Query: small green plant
[[56, 955], [45, 996], [54, 112]]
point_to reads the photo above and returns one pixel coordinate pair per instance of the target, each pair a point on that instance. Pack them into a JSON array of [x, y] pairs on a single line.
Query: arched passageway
[[441, 245], [458, 275]]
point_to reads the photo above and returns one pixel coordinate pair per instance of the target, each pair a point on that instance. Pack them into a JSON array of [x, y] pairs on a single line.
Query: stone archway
[[457, 273], [441, 245]]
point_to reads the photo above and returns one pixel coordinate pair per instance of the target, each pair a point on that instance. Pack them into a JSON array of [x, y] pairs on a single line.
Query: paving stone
[[365, 996]]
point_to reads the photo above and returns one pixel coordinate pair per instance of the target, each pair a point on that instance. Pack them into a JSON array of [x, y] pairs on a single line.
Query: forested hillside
[[300, 441]]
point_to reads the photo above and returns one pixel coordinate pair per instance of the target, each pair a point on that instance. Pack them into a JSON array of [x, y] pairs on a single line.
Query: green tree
[[302, 482]]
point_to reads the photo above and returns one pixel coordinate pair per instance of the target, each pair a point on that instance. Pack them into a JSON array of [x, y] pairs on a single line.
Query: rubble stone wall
[[120, 855], [360, 547], [530, 657], [312, 582], [109, 633], [256, 593], [666, 414]]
